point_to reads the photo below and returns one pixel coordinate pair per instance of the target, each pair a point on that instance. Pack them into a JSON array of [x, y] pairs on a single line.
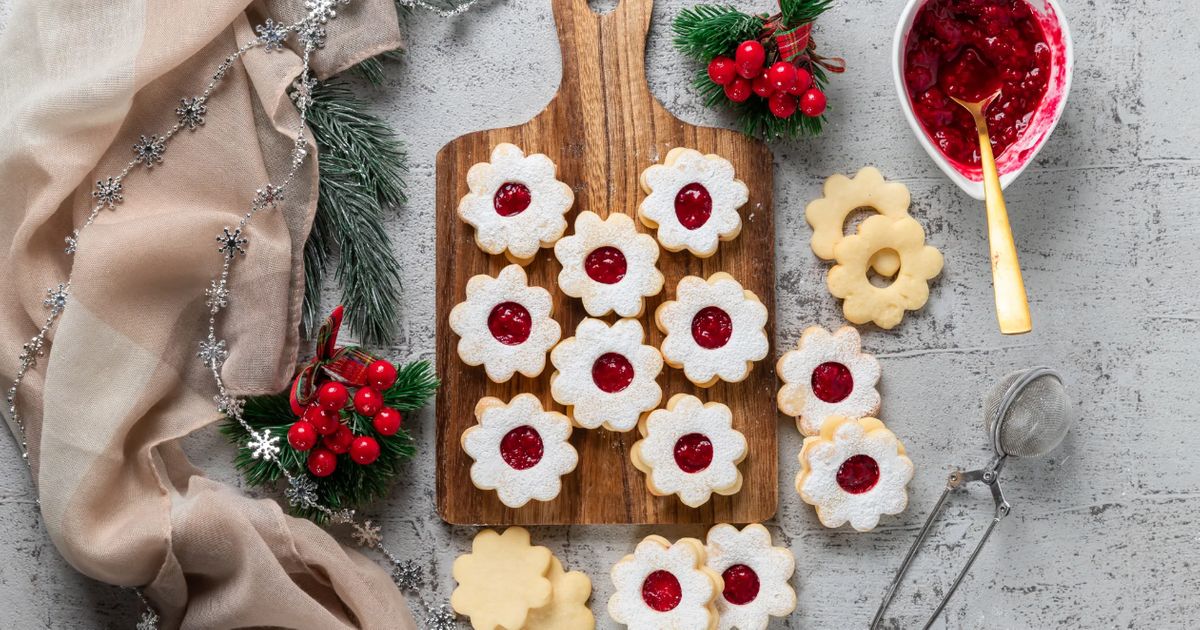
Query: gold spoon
[[1012, 307]]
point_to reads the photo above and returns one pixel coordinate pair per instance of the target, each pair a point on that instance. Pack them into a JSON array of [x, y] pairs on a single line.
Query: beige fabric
[[79, 81]]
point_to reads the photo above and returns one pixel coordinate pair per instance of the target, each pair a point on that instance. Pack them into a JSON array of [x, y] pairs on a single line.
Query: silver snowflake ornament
[[72, 242], [301, 492], [342, 516], [408, 576], [302, 89], [56, 298], [229, 405], [268, 197], [322, 10], [213, 353], [441, 618], [272, 35], [108, 192], [191, 112], [148, 621], [312, 34], [149, 151], [367, 534], [263, 445], [231, 243], [218, 296]]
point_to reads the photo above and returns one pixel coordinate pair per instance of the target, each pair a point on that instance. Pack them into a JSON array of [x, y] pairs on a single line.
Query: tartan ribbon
[[794, 42], [346, 365]]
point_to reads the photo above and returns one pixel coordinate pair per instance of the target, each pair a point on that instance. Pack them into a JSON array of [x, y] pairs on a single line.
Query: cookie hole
[[856, 217], [877, 278]]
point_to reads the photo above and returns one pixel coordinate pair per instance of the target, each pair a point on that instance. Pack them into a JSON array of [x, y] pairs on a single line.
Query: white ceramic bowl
[[1021, 153]]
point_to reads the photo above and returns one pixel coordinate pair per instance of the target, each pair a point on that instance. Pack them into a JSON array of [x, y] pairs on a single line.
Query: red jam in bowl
[[968, 49]]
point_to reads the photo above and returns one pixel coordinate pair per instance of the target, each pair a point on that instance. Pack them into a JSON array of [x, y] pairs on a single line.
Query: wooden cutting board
[[603, 128]]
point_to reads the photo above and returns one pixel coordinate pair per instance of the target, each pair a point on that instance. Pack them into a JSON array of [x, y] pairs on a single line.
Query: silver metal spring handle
[[989, 476]]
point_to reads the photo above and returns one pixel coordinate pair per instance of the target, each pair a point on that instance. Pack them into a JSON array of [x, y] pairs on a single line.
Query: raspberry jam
[[741, 584], [606, 265], [712, 327], [832, 382], [693, 206], [510, 323], [968, 48], [661, 591], [612, 372], [522, 447], [693, 452], [512, 198], [858, 474]]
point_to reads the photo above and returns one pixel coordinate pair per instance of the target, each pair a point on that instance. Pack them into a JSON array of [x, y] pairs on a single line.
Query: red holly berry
[[339, 441], [762, 86], [749, 58], [381, 374], [782, 75], [387, 421], [803, 82], [782, 104], [364, 450], [813, 102], [738, 90], [321, 462], [322, 419], [302, 435], [332, 395], [721, 70], [368, 401]]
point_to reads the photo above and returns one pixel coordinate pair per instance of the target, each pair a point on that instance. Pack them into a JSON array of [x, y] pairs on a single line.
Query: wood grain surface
[[603, 128]]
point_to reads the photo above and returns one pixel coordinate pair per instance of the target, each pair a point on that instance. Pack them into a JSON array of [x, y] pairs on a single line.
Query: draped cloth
[[80, 81]]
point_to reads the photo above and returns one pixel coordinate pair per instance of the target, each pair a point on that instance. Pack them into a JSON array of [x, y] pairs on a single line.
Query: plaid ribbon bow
[[793, 43], [347, 365]]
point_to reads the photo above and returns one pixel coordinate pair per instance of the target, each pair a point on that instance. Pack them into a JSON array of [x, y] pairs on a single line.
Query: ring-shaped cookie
[[864, 302], [842, 196]]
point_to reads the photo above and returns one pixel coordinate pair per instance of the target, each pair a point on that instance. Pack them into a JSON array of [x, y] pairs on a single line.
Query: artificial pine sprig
[[705, 30], [350, 485]]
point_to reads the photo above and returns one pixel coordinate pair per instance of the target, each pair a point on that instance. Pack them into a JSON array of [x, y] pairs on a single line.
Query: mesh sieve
[[1028, 413]]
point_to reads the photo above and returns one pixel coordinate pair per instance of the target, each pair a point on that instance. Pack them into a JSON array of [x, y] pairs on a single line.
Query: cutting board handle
[[597, 47]]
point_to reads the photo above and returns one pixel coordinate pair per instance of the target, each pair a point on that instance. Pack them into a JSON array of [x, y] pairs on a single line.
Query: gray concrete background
[[1103, 532]]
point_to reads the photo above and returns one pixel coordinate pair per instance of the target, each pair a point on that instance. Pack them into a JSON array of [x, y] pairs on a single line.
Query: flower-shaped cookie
[[501, 579], [865, 302], [827, 375], [844, 195], [505, 324], [520, 450], [755, 574], [855, 470], [661, 585], [715, 329], [690, 449], [606, 376], [693, 201], [516, 204], [568, 609], [608, 264]]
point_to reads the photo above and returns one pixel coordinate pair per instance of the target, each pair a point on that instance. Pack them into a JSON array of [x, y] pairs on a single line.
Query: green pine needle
[[793, 13], [705, 31]]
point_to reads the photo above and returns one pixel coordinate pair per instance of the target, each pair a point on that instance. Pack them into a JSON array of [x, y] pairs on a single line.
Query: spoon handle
[[1012, 307]]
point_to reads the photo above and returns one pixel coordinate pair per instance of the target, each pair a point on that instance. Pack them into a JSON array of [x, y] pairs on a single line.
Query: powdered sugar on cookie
[[715, 329], [755, 576], [693, 201], [505, 325], [827, 375], [690, 449], [606, 375], [609, 265], [663, 585]]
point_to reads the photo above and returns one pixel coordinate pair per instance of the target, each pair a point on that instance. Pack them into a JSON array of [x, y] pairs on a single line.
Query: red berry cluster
[[323, 420], [785, 86]]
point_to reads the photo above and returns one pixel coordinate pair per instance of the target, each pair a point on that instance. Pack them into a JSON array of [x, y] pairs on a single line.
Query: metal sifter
[[1027, 414]]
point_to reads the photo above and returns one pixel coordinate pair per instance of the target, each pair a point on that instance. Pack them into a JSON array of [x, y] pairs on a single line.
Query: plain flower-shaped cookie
[[568, 609], [842, 196], [501, 579], [606, 374], [609, 264], [908, 291], [855, 470], [827, 374], [663, 585], [516, 204], [693, 201], [755, 574]]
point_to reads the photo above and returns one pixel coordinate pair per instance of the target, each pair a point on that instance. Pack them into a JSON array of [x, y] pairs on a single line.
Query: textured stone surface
[[1103, 532]]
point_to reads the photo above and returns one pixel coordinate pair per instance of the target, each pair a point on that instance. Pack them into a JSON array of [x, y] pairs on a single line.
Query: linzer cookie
[[606, 374], [663, 585], [516, 204], [693, 201], [690, 449], [715, 329], [505, 325], [609, 265], [827, 375], [520, 450], [755, 575], [856, 471]]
